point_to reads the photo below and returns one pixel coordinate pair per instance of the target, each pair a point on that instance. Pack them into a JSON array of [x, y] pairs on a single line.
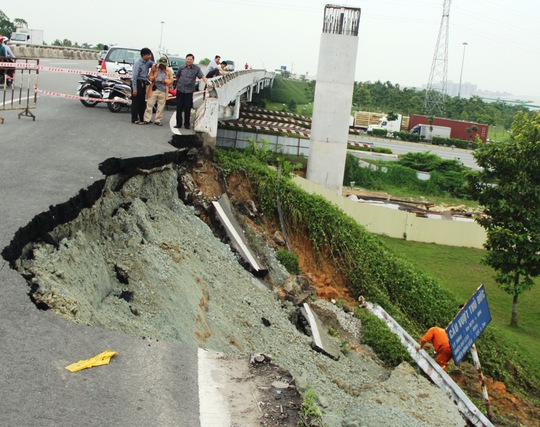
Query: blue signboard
[[469, 323]]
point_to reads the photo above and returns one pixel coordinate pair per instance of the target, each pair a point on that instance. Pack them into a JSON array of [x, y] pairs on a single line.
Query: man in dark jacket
[[185, 86], [139, 81]]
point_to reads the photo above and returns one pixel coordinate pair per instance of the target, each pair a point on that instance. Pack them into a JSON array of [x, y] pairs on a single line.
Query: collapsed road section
[[143, 253]]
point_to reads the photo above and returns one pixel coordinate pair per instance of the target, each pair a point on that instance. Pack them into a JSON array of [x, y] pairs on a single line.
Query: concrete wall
[[397, 224], [35, 51]]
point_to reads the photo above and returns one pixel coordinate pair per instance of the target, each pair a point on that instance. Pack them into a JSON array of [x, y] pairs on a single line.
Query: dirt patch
[[420, 203], [320, 270], [208, 178], [509, 409]]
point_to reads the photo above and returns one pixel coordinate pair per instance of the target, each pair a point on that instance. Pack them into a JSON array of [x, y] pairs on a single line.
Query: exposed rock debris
[[149, 259]]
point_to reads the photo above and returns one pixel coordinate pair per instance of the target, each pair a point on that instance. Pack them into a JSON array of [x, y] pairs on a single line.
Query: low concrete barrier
[[60, 52], [400, 224]]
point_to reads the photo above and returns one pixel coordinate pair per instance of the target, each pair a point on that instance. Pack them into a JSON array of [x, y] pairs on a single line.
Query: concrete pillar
[[333, 97]]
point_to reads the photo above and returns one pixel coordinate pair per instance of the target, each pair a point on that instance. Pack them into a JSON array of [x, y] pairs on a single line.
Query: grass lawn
[[304, 109], [460, 272], [498, 133]]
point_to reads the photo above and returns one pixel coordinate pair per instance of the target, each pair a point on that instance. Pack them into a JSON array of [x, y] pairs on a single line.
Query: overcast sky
[[396, 42]]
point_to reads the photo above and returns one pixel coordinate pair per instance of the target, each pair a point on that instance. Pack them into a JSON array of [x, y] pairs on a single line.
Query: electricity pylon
[[436, 87]]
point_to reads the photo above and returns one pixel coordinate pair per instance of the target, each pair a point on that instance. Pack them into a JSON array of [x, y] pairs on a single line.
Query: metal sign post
[[468, 324], [465, 329]]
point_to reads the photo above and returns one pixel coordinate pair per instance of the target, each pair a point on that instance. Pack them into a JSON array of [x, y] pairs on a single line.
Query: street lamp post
[[161, 37], [461, 74]]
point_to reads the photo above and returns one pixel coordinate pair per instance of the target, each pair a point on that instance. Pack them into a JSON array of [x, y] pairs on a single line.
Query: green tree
[[20, 23], [204, 61], [292, 105], [310, 90], [391, 116], [6, 26], [508, 186]]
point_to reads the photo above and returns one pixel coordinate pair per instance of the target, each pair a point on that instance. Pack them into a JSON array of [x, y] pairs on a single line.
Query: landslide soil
[[329, 282], [157, 269]]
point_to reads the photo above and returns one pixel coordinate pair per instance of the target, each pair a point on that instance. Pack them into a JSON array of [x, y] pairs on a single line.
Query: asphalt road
[[402, 147], [45, 162]]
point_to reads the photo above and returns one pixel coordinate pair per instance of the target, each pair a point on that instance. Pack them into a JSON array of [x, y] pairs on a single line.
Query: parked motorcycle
[[92, 87], [119, 92]]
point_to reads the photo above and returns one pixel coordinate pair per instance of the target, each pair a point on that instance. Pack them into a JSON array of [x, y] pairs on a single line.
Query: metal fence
[[18, 85]]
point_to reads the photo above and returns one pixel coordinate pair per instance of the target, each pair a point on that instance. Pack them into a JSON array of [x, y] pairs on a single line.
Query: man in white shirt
[[213, 64]]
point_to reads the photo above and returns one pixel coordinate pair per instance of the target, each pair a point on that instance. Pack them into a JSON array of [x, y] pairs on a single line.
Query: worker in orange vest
[[438, 337]]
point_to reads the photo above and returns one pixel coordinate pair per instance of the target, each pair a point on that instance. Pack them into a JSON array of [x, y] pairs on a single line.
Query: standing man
[[139, 81], [185, 86], [438, 337], [161, 78]]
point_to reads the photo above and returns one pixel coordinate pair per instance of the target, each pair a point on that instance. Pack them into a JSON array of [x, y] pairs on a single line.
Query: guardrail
[[23, 50]]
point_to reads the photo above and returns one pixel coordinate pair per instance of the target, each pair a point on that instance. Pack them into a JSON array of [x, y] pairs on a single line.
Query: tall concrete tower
[[333, 96]]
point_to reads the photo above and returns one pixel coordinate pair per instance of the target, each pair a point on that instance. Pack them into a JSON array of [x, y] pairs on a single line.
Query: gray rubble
[[141, 262]]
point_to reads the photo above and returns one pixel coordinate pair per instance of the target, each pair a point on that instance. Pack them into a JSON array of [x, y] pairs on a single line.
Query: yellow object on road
[[99, 360]]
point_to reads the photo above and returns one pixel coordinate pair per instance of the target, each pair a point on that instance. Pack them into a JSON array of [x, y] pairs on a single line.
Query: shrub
[[310, 414], [425, 162], [381, 339], [406, 136], [289, 260], [379, 132], [459, 143]]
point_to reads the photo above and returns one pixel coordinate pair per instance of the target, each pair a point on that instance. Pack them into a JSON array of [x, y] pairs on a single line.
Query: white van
[[119, 57]]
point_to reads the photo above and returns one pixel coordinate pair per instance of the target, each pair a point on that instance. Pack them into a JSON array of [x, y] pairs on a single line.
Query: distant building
[[467, 89]]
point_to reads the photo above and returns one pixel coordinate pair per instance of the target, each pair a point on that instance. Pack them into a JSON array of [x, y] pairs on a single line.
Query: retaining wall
[[400, 224]]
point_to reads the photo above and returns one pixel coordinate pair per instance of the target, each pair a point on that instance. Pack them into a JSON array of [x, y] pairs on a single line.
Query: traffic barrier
[[19, 81]]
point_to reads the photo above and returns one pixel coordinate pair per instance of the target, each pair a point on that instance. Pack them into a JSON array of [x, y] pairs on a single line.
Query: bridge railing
[[230, 86]]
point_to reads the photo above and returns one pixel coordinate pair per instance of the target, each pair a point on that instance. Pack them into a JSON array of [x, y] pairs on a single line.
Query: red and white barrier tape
[[359, 144], [65, 95], [271, 128], [28, 66], [92, 73]]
